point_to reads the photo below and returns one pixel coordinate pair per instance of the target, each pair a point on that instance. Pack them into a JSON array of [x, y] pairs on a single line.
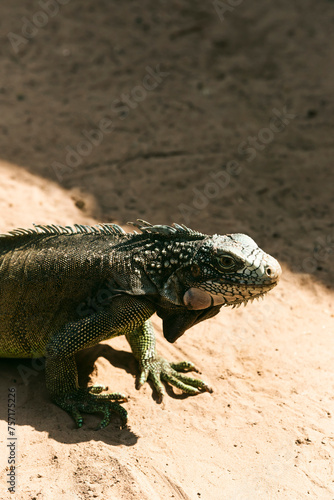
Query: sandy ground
[[219, 116]]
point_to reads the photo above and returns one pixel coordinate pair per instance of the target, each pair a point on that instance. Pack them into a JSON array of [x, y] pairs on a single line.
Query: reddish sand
[[224, 123]]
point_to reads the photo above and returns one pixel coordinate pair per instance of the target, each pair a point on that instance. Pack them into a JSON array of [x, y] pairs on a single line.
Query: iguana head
[[227, 270], [198, 271], [196, 274]]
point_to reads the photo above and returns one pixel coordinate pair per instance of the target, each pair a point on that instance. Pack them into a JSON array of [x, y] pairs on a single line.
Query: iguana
[[63, 289]]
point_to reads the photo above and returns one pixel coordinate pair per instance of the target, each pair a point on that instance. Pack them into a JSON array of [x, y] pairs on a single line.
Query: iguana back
[[45, 276]]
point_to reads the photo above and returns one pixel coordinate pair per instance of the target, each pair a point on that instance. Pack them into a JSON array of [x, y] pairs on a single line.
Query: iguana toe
[[91, 401], [184, 366], [189, 385], [159, 370]]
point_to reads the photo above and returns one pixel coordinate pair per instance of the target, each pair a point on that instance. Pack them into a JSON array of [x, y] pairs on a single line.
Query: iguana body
[[64, 289]]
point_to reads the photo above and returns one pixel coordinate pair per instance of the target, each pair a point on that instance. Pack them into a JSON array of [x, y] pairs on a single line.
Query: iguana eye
[[226, 261]]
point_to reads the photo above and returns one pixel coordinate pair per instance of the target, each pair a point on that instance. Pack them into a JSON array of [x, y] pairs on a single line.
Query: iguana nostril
[[273, 270]]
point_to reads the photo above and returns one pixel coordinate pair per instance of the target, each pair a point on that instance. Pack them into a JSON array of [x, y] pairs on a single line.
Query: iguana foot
[[159, 370], [91, 401]]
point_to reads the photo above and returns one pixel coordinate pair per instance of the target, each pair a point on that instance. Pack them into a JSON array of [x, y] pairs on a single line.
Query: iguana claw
[[91, 401], [159, 369]]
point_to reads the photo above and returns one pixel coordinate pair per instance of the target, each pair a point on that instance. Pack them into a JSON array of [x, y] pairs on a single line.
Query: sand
[[214, 114]]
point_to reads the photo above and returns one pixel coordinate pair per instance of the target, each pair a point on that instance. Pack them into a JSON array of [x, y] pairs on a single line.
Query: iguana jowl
[[48, 273]]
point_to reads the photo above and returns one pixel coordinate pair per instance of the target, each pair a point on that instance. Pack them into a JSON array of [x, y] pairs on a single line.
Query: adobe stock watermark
[[212, 189], [11, 441], [276, 470], [220, 179], [92, 304], [277, 124], [37, 365], [280, 473], [31, 27], [262, 319], [95, 304], [323, 252], [120, 107], [222, 7]]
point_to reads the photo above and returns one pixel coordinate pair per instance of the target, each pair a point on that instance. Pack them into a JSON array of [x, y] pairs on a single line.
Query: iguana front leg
[[156, 368], [119, 316]]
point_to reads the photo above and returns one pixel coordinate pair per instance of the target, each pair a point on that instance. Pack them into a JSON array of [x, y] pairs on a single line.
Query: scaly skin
[[65, 289], [142, 342]]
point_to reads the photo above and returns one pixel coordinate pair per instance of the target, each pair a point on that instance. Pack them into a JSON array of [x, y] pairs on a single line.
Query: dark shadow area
[[28, 378], [86, 360], [121, 359], [220, 120]]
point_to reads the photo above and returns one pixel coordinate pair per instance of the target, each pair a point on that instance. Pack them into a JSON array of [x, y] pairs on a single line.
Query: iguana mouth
[[201, 298]]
